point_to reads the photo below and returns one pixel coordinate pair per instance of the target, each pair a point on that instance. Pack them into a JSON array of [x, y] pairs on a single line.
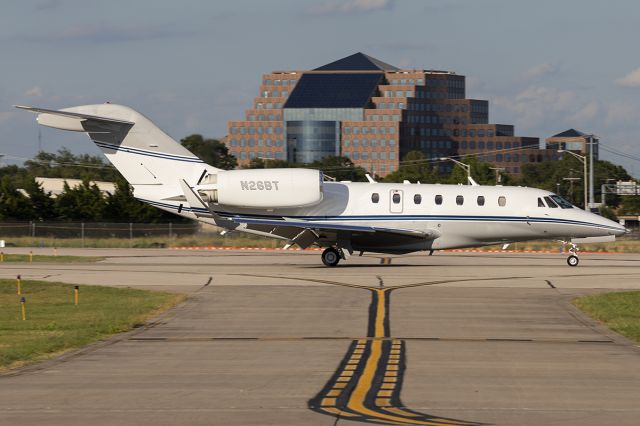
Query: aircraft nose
[[620, 230]]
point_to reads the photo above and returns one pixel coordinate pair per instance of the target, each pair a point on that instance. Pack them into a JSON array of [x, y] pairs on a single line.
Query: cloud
[[536, 104], [618, 113], [5, 117], [34, 92], [102, 33], [350, 7], [538, 71], [585, 115], [48, 4], [630, 80]]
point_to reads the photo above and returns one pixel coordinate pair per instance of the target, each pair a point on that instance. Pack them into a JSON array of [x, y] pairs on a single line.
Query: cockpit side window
[[540, 202], [561, 202], [551, 203]]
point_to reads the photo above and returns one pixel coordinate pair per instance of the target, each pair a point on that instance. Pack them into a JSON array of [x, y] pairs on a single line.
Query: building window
[[417, 199], [459, 200], [375, 197], [502, 201], [392, 156], [480, 200], [365, 156], [438, 200]]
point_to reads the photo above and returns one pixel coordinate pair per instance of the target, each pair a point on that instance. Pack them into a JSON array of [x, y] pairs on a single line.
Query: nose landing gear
[[573, 259]]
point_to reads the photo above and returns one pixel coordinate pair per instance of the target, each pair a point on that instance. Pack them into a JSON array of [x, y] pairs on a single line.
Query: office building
[[374, 113]]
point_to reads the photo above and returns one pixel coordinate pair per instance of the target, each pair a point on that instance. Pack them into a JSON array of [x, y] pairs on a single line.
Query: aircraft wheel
[[330, 257], [573, 260]]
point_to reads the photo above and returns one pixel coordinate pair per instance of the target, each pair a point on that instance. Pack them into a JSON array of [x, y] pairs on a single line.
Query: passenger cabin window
[[540, 202], [417, 199], [396, 198], [551, 203], [438, 200], [375, 197], [459, 200], [562, 202], [480, 200], [502, 201]]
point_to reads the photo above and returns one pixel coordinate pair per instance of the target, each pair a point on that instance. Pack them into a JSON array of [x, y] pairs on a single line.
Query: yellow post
[[30, 256], [23, 304], [75, 295], [19, 285]]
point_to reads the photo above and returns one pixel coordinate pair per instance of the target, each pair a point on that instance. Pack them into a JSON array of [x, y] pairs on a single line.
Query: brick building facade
[[374, 113]]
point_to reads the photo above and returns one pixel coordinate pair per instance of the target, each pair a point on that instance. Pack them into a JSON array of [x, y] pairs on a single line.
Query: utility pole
[[591, 194]]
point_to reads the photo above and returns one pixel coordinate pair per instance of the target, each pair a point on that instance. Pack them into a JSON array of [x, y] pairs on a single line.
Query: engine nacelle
[[263, 188]]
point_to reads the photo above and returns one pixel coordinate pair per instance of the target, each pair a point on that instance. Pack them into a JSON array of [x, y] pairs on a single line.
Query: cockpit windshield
[[562, 202]]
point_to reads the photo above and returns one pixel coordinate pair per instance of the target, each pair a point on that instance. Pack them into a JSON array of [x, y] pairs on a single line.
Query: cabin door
[[396, 201]]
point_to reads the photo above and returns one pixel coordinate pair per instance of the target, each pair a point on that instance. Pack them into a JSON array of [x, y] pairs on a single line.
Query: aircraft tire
[[573, 260], [330, 257]]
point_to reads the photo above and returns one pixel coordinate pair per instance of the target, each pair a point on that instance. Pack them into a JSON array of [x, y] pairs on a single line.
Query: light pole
[[466, 167], [498, 175], [591, 194], [582, 159]]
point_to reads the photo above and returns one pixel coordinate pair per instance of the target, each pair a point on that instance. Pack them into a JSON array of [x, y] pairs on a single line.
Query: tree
[[481, 172], [340, 168], [83, 202], [415, 168], [65, 164], [630, 205], [42, 203], [267, 163], [211, 151], [547, 174], [13, 204], [122, 206]]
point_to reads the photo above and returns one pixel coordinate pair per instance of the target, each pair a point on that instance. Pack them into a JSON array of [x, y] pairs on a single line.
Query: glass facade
[[308, 141]]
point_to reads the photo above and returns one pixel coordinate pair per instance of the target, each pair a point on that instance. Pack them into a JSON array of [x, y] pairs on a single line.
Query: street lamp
[[498, 175], [466, 167], [582, 159]]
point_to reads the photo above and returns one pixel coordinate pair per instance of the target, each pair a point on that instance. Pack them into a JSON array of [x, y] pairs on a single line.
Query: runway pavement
[[273, 338]]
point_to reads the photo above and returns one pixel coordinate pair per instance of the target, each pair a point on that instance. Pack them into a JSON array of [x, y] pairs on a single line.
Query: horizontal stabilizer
[[73, 115]]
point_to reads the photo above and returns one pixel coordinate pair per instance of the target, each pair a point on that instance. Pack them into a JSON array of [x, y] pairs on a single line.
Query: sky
[[190, 66]]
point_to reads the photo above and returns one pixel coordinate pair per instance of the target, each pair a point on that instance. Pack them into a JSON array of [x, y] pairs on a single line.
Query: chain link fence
[[87, 230]]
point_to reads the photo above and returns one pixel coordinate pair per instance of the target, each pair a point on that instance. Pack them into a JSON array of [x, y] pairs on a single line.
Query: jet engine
[[263, 188]]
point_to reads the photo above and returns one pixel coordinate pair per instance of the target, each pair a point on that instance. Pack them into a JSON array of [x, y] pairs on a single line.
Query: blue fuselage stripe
[[390, 218]]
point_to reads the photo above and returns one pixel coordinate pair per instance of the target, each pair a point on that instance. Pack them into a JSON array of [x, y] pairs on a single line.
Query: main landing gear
[[331, 256]]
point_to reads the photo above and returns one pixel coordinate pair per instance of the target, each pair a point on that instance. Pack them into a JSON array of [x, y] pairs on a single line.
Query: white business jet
[[298, 206]]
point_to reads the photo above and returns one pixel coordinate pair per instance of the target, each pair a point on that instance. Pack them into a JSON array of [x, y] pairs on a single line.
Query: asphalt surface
[[272, 338]]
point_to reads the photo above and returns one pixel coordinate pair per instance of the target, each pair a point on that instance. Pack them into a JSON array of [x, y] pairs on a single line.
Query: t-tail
[[152, 162]]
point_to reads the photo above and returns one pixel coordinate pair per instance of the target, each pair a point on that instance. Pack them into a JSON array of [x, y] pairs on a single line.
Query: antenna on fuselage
[[370, 179]]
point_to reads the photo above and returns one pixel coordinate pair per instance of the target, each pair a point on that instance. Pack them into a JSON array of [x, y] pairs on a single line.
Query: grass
[[55, 325], [47, 258], [619, 311], [236, 240]]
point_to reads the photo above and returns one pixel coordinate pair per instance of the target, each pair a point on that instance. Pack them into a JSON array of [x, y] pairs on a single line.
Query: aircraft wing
[[309, 228]]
